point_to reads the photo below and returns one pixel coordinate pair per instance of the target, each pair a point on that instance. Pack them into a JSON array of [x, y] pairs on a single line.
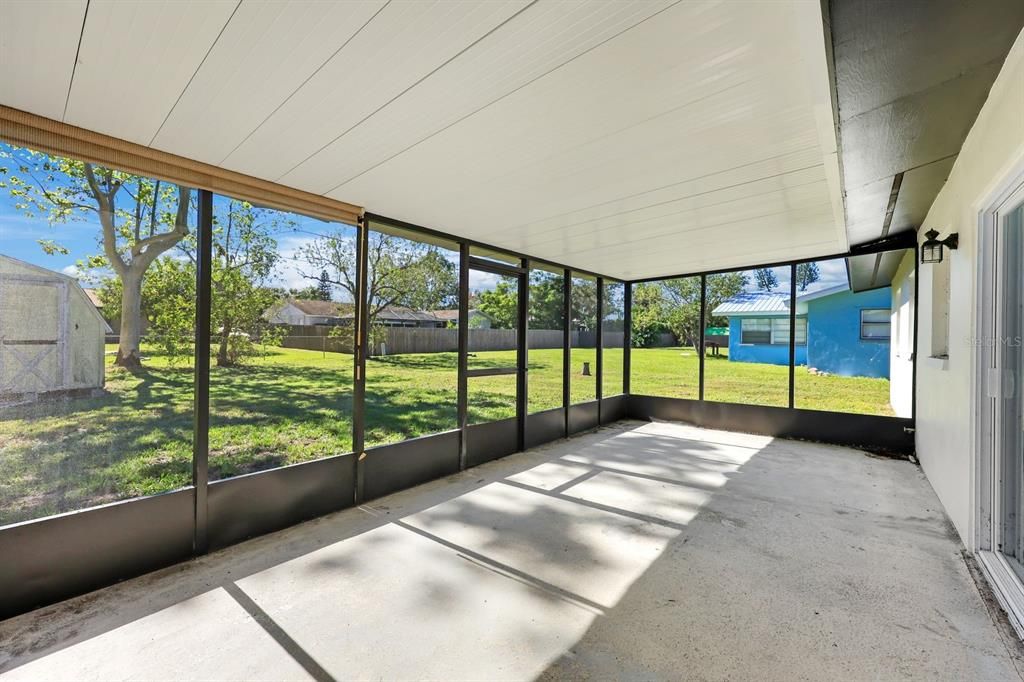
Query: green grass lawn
[[295, 405], [674, 373]]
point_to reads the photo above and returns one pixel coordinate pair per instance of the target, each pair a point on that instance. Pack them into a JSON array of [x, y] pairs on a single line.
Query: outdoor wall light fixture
[[931, 249]]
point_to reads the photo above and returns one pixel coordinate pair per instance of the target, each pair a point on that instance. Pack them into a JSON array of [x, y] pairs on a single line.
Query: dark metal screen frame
[[201, 371], [361, 340], [737, 416], [702, 350], [792, 336], [599, 347], [147, 533], [566, 345], [627, 335], [522, 364], [463, 363]]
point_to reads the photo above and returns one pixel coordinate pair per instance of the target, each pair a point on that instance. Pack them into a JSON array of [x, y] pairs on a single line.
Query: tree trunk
[[223, 360], [131, 320]]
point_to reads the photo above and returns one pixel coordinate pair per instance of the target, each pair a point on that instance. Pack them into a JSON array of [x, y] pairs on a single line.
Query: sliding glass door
[[999, 520], [1009, 412]]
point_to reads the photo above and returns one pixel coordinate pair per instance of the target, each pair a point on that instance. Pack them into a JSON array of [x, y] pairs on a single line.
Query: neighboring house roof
[[772, 302], [318, 308], [401, 314], [750, 302], [822, 293], [453, 315], [94, 296]]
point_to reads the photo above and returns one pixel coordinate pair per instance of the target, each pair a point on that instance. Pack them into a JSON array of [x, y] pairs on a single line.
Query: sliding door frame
[[985, 526]]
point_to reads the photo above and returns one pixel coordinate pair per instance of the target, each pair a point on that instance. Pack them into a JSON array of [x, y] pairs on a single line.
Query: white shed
[[51, 335]]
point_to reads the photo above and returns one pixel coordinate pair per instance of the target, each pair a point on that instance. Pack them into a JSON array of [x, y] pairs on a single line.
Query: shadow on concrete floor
[[640, 550]]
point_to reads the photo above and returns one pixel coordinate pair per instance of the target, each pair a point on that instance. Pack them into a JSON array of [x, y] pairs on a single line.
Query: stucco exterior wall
[[945, 393], [772, 354], [833, 335]]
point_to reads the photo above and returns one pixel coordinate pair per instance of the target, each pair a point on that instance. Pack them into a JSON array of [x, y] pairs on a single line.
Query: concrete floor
[[641, 551]]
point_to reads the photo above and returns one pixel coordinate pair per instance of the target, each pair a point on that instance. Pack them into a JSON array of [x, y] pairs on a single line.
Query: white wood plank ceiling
[[634, 139]]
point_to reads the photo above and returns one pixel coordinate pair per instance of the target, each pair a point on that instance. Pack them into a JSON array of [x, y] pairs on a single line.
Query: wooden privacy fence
[[401, 340]]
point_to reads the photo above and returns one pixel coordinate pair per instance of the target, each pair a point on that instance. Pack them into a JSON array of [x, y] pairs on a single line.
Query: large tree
[[168, 304], [765, 279], [400, 272], [547, 310], [807, 274], [139, 219], [584, 304], [648, 314], [613, 307], [244, 256], [324, 286], [243, 259], [682, 303], [311, 292], [500, 304]]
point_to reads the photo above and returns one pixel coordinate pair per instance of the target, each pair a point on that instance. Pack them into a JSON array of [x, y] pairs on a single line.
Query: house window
[[755, 330], [780, 331], [771, 331], [875, 324]]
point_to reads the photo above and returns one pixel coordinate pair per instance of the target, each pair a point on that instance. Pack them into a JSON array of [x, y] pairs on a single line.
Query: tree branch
[[145, 251], [106, 211], [56, 201]]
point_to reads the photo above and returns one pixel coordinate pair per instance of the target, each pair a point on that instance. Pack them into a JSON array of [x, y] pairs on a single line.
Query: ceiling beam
[[53, 137]]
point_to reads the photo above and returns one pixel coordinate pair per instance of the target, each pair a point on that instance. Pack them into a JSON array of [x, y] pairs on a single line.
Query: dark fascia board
[[873, 271], [905, 239]]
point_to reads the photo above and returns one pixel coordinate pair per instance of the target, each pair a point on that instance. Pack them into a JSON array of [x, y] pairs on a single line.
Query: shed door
[[32, 315]]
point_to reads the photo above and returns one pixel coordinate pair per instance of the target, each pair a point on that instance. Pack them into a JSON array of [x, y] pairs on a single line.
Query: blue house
[[838, 331]]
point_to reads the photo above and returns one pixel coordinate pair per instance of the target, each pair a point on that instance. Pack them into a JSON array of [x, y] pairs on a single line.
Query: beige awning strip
[[53, 137]]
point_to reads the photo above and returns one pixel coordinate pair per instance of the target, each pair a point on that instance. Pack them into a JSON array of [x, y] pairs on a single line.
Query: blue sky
[[19, 237], [831, 273]]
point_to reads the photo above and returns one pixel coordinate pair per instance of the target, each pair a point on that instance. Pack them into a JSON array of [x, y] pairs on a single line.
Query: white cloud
[[483, 281], [832, 271], [72, 271], [289, 270]]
